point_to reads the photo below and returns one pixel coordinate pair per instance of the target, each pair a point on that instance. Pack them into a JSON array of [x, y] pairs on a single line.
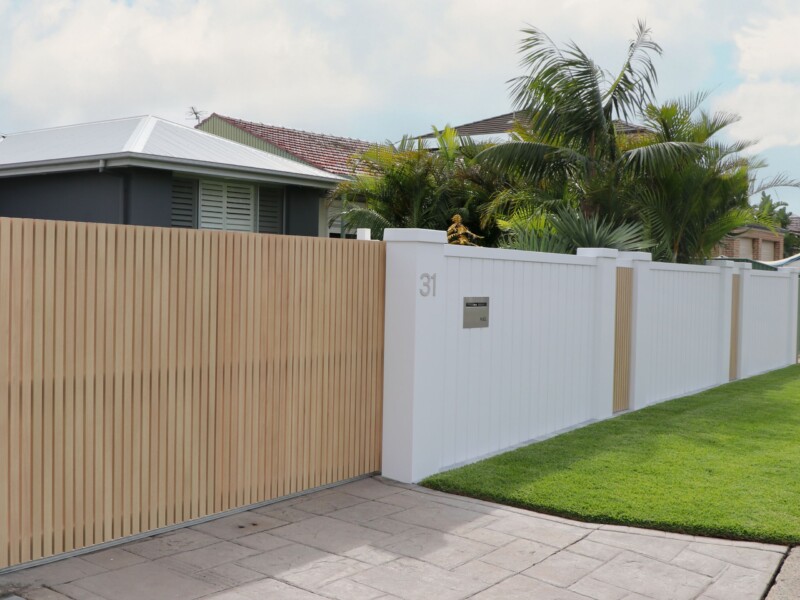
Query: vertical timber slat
[[622, 339]]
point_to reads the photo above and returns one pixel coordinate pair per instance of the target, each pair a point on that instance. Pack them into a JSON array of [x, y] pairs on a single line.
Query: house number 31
[[427, 284]]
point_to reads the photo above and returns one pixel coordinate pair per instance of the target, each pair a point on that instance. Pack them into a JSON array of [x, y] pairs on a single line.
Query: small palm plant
[[567, 229]]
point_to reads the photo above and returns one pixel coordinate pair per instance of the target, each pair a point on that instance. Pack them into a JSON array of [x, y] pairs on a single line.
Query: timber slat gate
[[151, 376]]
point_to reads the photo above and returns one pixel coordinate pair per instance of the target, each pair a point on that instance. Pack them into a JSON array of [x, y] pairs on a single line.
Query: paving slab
[[374, 539], [787, 583]]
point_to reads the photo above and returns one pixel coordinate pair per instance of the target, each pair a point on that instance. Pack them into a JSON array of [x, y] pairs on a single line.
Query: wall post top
[[598, 252], [427, 236], [643, 256]]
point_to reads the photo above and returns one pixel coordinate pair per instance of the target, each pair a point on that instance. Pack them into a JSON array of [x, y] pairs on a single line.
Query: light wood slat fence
[[154, 376], [623, 326]]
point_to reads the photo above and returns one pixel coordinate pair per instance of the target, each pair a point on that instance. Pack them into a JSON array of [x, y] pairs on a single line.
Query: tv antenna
[[196, 114]]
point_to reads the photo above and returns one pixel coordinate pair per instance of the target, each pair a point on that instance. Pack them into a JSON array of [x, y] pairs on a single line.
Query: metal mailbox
[[476, 311]]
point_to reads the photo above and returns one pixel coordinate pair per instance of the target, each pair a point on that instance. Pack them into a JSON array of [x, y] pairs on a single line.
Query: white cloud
[[769, 93], [369, 68], [768, 47], [95, 59], [766, 108]]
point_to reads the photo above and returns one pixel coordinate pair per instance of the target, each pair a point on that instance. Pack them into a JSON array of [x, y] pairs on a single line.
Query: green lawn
[[725, 462]]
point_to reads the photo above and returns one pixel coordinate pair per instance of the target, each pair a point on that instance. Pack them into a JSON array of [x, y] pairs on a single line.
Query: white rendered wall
[[768, 338], [545, 363], [681, 330], [529, 373]]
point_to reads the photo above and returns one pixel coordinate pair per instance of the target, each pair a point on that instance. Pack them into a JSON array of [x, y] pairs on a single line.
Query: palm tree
[[572, 147], [565, 229], [688, 210], [411, 185]]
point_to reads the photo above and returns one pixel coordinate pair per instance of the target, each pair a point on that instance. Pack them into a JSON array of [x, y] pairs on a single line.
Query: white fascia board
[[53, 166], [92, 163], [217, 170]]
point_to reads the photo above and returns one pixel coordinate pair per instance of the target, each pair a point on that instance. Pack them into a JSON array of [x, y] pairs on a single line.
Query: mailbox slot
[[476, 311]]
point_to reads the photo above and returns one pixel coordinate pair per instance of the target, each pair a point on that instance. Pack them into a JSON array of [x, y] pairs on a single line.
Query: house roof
[[327, 152], [501, 126], [147, 141]]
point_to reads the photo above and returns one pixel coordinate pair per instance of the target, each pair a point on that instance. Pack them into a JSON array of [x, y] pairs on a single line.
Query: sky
[[378, 69]]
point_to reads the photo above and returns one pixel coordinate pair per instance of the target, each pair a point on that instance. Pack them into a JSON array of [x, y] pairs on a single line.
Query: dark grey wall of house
[[149, 198], [86, 196], [302, 210], [131, 196]]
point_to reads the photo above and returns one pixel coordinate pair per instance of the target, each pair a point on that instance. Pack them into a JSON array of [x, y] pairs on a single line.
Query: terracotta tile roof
[[327, 152]]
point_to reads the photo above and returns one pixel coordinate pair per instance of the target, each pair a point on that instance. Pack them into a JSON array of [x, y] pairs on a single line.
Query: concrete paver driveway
[[374, 539]]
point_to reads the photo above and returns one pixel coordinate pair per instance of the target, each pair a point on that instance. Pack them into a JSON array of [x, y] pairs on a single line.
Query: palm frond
[[635, 84], [778, 180], [659, 157]]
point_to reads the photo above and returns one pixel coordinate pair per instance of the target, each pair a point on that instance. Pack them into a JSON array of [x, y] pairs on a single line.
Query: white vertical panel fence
[[768, 325], [545, 363], [514, 380], [682, 316]]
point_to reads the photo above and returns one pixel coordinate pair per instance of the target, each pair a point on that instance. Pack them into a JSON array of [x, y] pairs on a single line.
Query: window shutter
[[239, 207], [227, 206], [183, 203], [270, 210], [212, 205]]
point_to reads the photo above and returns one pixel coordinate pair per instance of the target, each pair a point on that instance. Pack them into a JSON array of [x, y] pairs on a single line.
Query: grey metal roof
[[148, 142]]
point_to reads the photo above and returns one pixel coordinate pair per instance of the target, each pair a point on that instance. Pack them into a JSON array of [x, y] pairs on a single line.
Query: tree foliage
[[412, 185]]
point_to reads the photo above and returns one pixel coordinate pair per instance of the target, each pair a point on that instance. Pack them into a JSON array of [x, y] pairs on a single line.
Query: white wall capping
[[516, 255], [598, 252], [632, 256], [363, 233], [723, 264], [430, 236]]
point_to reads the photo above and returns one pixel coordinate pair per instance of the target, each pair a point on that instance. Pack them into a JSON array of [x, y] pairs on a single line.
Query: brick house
[[754, 242]]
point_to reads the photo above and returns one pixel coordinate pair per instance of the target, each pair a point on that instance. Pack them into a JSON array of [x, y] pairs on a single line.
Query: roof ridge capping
[[140, 135], [26, 131]]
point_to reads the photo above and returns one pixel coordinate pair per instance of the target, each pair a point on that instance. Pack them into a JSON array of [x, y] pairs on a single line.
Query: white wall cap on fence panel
[[516, 255], [363, 233], [626, 259], [724, 264], [709, 269], [598, 252], [625, 255], [744, 266], [429, 236], [789, 269], [779, 273]]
